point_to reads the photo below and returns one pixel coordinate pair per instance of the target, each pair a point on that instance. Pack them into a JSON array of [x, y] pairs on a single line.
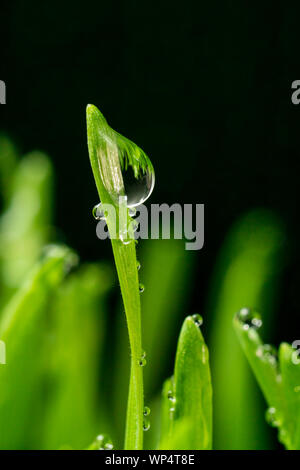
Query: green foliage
[[246, 273], [25, 223], [279, 379], [187, 397], [55, 391], [106, 167], [77, 320], [22, 329]]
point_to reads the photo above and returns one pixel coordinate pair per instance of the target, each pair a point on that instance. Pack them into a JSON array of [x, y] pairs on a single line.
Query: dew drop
[[268, 353], [132, 211], [146, 424], [142, 360], [249, 319], [138, 265], [198, 320], [138, 187], [102, 442], [171, 396], [124, 239], [98, 213], [135, 174], [141, 288], [204, 353], [272, 417], [146, 411]]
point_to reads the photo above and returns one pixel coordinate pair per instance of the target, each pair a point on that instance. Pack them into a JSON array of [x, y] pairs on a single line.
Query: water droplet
[[102, 442], [272, 417], [132, 211], [249, 318], [142, 360], [146, 424], [141, 288], [146, 411], [171, 396], [138, 187], [204, 353], [198, 320], [135, 174], [98, 213], [268, 353], [124, 239], [138, 265]]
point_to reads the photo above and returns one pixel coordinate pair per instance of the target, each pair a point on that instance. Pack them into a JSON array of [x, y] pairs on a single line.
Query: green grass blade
[[166, 270], [278, 380], [22, 329], [8, 161], [191, 397], [264, 367], [24, 226], [105, 161], [75, 350], [246, 274]]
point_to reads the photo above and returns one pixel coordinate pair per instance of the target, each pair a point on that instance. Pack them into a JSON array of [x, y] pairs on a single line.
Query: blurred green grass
[[66, 377]]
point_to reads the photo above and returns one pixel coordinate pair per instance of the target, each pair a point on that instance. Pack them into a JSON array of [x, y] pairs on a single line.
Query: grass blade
[[278, 380], [24, 226], [104, 149], [75, 347], [246, 275], [190, 409], [22, 329]]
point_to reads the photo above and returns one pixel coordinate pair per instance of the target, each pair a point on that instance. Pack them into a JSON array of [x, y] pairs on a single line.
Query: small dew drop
[[171, 396], [146, 424], [249, 319], [132, 211], [146, 411], [141, 288], [268, 353], [138, 265], [204, 354], [102, 442], [142, 360], [124, 239], [198, 320], [272, 417], [98, 213]]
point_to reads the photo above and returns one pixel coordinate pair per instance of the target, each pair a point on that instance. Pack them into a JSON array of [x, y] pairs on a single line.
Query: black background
[[203, 87]]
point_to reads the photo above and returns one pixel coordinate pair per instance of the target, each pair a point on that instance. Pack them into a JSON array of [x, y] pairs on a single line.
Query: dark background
[[203, 87]]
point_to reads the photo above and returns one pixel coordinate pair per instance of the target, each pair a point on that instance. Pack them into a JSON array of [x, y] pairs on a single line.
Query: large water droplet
[[272, 417], [146, 411], [102, 442], [134, 175], [198, 320], [249, 318], [138, 189]]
